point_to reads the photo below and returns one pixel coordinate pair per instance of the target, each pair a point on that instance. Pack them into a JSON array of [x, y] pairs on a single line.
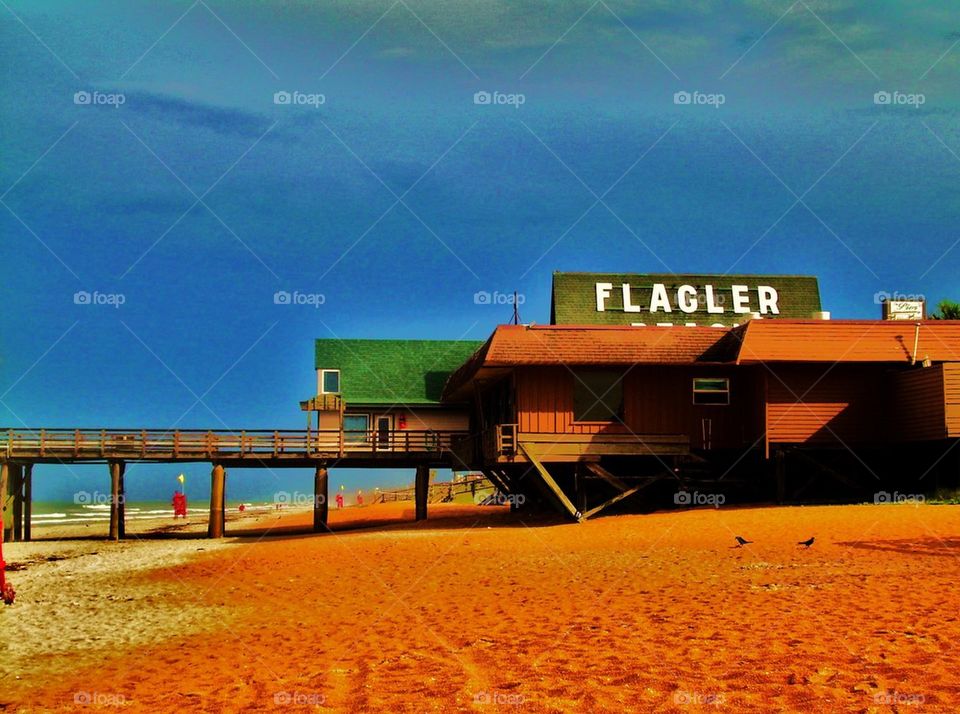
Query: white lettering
[[603, 292], [687, 298], [627, 305], [712, 306], [768, 300], [741, 299], [659, 299]]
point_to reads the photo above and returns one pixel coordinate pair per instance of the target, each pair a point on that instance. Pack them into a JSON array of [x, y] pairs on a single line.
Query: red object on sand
[[339, 500], [7, 593], [179, 504]]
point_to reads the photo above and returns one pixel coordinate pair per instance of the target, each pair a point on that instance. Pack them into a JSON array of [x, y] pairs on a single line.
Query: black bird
[[743, 541], [806, 543]]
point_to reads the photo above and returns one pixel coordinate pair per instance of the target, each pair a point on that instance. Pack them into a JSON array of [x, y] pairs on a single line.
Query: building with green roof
[[378, 389]]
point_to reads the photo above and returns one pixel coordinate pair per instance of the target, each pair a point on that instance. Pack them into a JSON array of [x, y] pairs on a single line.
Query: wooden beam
[[122, 503], [114, 500], [320, 499], [16, 478], [27, 501], [5, 501], [548, 480], [607, 476], [421, 490], [218, 479], [619, 497]]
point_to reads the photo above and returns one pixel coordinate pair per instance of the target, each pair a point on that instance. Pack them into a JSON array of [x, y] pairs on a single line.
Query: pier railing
[[187, 444]]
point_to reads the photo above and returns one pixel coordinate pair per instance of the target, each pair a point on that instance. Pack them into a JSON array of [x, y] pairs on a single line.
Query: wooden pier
[[20, 449]]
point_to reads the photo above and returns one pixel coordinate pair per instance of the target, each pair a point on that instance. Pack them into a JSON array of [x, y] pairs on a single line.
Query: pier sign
[[672, 299]]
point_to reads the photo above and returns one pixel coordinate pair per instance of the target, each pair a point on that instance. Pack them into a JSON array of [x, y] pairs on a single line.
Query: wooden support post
[[320, 499], [16, 479], [421, 489], [6, 503], [122, 503], [780, 469], [550, 483], [218, 479], [27, 501], [115, 498]]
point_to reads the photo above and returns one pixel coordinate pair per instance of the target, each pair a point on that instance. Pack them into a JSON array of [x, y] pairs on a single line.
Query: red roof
[[601, 345], [848, 341]]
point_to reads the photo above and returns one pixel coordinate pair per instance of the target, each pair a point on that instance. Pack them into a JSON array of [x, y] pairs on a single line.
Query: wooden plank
[[5, 501], [550, 483], [616, 499], [606, 476]]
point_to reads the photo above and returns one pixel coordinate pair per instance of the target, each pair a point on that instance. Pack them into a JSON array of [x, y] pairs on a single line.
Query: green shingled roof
[[393, 371], [574, 300]]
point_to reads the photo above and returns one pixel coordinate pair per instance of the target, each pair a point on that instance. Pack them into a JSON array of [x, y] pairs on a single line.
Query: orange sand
[[474, 610]]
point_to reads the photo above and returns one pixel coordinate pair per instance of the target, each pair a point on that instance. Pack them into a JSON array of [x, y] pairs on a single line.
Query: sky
[[149, 158]]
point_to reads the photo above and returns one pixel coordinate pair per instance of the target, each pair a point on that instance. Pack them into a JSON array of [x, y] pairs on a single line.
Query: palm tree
[[947, 310]]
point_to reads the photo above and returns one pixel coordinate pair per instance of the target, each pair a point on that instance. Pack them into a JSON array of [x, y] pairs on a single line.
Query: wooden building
[[630, 407], [385, 395]]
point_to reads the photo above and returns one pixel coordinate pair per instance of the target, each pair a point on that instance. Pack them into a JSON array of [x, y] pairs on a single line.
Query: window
[[330, 381], [356, 428], [711, 390], [597, 395]]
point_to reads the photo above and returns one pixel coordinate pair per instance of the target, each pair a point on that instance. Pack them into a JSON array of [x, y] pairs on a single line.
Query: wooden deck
[[250, 448]]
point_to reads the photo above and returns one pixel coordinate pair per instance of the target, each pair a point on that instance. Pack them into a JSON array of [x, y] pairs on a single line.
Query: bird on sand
[[806, 543], [741, 541]]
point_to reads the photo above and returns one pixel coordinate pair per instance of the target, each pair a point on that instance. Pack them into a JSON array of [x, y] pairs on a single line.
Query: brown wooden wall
[[820, 404], [917, 408], [657, 400], [951, 375]]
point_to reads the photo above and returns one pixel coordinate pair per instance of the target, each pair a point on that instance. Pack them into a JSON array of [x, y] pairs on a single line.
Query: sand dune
[[479, 609]]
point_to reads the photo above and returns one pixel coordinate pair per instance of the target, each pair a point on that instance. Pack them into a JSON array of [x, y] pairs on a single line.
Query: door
[[383, 428]]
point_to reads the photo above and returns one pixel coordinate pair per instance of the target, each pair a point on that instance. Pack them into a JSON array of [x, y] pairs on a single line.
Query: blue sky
[[198, 197]]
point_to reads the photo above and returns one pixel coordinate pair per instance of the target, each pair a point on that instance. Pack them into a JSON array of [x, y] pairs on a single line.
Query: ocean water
[[67, 513]]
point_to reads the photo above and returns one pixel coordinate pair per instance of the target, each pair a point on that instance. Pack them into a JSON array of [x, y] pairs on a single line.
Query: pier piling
[[218, 478], [320, 504], [421, 489]]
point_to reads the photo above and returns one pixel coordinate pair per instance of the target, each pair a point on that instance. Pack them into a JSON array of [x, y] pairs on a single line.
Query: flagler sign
[[647, 299]]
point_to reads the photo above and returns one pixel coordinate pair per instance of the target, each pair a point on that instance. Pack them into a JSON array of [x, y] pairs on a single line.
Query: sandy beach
[[478, 609]]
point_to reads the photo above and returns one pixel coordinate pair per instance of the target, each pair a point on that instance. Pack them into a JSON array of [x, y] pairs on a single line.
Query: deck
[[249, 448]]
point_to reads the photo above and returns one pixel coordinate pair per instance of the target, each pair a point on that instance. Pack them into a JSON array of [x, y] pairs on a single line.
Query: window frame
[[350, 436], [578, 382], [695, 391], [323, 373]]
